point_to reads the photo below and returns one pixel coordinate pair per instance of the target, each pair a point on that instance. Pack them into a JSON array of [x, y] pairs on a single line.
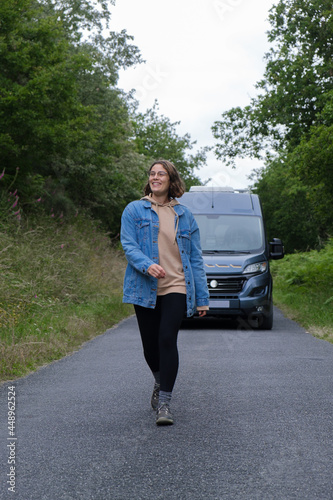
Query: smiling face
[[159, 181]]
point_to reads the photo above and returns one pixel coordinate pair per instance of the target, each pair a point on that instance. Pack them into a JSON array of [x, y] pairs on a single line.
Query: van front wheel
[[261, 322], [266, 322]]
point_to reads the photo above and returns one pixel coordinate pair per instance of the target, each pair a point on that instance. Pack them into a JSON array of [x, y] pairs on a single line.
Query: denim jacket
[[139, 238]]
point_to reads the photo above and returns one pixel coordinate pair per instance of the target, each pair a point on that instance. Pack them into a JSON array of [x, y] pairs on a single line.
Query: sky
[[203, 57]]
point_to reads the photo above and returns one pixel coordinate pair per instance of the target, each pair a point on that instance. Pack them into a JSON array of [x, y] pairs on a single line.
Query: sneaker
[[154, 397], [163, 415]]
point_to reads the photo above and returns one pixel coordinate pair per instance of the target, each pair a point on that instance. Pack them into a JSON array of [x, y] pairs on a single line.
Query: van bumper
[[254, 301]]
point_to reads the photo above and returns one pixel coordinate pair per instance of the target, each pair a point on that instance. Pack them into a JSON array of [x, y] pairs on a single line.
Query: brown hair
[[177, 186]]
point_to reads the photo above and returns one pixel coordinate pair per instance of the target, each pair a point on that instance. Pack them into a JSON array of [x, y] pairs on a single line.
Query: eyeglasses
[[157, 174]]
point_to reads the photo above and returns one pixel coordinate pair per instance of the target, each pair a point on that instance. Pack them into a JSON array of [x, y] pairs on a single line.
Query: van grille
[[225, 286]]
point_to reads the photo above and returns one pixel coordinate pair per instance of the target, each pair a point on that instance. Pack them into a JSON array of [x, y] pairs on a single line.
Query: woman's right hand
[[156, 271]]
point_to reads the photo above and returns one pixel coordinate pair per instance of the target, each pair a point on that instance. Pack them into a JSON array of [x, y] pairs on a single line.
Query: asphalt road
[[253, 420]]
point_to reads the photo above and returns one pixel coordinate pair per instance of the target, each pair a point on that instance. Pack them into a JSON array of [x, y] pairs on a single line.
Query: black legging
[[159, 331]]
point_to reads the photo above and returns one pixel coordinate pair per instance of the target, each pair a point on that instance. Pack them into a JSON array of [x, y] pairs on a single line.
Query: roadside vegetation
[[60, 286], [303, 289]]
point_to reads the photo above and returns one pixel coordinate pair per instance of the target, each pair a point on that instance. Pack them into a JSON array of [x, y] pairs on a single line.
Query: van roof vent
[[217, 189]]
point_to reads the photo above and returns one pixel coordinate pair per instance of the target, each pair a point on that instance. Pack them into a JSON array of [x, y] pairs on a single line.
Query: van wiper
[[226, 251], [210, 251]]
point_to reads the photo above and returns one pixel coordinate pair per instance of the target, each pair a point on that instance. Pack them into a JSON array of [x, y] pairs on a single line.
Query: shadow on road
[[211, 324]]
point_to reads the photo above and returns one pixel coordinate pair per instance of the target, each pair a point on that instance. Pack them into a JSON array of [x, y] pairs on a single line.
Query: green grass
[[303, 289], [60, 286]]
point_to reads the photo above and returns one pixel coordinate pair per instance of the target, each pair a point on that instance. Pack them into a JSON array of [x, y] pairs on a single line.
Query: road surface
[[253, 420]]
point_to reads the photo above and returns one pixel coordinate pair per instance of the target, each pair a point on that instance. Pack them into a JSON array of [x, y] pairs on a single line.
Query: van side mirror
[[276, 249]]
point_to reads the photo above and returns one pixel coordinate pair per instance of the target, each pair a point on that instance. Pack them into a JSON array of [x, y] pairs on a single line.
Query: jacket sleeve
[[197, 264], [128, 237]]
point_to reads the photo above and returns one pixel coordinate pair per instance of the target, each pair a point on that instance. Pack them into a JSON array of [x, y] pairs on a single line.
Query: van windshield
[[230, 233]]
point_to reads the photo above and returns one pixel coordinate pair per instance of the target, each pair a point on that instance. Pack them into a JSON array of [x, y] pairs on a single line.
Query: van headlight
[[256, 268]]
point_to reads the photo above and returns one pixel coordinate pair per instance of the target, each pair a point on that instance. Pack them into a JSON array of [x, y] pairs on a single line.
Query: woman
[[165, 278]]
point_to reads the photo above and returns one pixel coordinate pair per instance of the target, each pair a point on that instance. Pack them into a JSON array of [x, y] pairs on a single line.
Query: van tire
[[267, 322], [264, 322]]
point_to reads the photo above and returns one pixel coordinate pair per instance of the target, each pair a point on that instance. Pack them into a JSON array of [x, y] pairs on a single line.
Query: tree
[[39, 110], [63, 122], [156, 138], [86, 22], [289, 124], [296, 188], [299, 71], [288, 211], [312, 159]]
